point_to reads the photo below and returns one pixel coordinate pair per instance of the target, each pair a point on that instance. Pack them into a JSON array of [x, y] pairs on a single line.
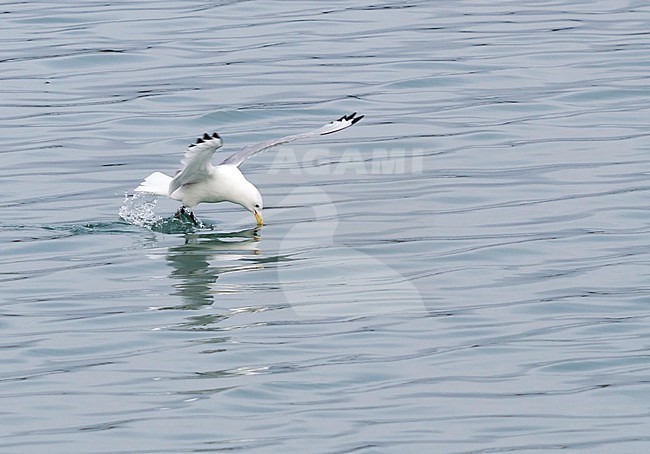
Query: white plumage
[[199, 181], [157, 183]]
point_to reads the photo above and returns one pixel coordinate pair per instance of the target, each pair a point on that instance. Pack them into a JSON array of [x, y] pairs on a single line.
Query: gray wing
[[196, 162], [342, 123]]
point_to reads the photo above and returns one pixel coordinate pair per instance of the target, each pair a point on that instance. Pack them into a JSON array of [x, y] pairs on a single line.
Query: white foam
[[138, 209]]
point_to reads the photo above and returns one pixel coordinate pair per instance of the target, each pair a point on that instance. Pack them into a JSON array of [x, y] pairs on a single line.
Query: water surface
[[464, 271]]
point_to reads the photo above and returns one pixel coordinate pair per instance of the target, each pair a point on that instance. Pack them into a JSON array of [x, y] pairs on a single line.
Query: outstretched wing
[[196, 163], [342, 123]]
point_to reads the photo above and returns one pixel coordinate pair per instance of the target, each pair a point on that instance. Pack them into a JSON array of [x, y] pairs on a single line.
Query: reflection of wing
[[342, 123], [196, 163], [197, 264]]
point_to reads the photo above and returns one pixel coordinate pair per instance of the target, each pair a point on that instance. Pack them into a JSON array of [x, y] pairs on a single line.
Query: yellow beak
[[258, 218]]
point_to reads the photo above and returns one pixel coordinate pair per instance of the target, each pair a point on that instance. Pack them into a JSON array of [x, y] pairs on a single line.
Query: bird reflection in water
[[198, 263]]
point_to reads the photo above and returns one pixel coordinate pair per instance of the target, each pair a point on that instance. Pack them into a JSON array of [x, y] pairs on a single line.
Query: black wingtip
[[205, 138], [349, 117], [357, 119]]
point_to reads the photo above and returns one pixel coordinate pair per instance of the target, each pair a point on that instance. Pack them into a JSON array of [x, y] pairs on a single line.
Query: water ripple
[[464, 272]]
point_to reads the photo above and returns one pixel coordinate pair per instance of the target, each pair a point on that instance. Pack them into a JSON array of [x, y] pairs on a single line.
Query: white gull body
[[200, 182]]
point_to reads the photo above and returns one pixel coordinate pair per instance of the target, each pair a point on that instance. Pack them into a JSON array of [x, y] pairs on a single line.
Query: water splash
[[138, 209], [175, 224]]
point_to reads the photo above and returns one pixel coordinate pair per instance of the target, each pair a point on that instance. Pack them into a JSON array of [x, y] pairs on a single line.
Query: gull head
[[252, 201]]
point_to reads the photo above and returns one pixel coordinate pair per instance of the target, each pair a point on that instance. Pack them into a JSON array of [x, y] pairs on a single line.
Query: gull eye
[[257, 206]]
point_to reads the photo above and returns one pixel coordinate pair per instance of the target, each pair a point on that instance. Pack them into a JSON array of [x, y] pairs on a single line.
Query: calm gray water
[[465, 271]]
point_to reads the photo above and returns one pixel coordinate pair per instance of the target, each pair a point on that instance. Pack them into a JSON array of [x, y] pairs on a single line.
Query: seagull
[[199, 181]]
